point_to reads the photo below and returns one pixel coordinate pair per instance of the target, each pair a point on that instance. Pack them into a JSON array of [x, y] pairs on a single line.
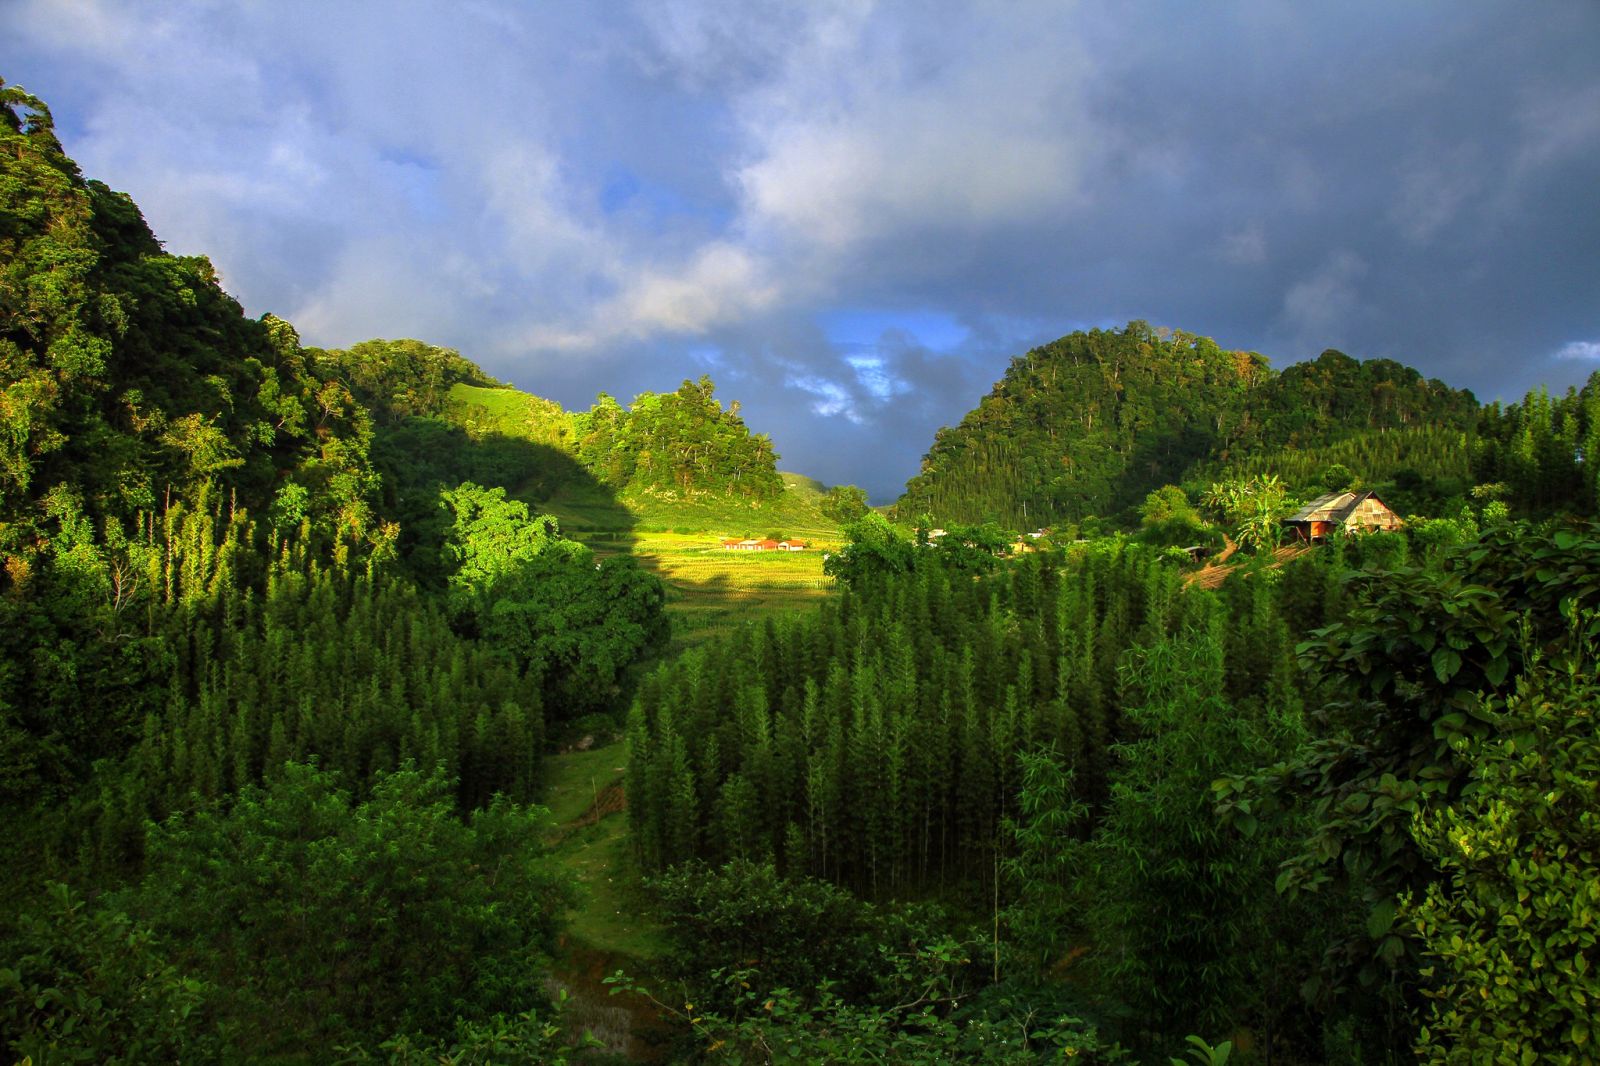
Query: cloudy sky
[[852, 214]]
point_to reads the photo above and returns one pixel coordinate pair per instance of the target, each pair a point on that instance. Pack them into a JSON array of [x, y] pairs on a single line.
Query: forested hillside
[[1091, 423]]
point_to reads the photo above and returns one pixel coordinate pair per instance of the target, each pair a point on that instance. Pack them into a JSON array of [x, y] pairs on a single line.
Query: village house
[[769, 545], [1348, 511]]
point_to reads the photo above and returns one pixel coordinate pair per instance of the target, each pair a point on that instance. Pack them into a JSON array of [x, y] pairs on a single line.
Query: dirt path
[[1216, 572]]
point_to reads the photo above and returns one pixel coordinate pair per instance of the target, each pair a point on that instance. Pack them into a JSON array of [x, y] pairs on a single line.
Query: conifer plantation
[[1100, 746]]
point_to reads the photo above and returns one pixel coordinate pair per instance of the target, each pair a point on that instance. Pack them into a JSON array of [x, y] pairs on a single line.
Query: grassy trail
[[611, 927]]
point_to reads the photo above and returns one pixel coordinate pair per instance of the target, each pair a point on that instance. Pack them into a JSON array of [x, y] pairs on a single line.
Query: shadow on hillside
[[1159, 459], [420, 456]]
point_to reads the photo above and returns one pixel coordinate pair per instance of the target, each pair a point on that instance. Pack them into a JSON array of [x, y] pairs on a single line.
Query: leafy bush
[[87, 984], [783, 932], [1510, 930], [921, 1025], [327, 920]]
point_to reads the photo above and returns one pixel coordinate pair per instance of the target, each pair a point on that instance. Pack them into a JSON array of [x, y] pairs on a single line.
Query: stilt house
[[1349, 511]]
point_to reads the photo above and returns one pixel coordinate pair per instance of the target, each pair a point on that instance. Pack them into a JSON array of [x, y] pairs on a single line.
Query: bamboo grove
[[244, 652], [877, 743]]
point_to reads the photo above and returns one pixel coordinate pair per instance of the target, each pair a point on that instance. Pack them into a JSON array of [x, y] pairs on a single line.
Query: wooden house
[[1348, 511]]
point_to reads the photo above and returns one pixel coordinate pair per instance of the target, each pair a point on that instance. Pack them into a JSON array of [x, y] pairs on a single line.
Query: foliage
[[973, 548], [845, 503], [877, 744], [875, 546], [525, 1039], [681, 442], [916, 1021], [782, 932], [491, 539], [566, 619], [1255, 507], [1509, 929], [1401, 682], [195, 658], [400, 379], [1159, 858], [84, 983], [327, 919], [1205, 1054], [1543, 451], [1416, 468], [1050, 822], [1167, 519], [129, 376]]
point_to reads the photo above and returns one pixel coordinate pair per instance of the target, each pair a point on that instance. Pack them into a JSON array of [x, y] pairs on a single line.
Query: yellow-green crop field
[[711, 590]]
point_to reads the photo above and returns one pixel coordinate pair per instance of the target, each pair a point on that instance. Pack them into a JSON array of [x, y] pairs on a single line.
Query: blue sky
[[853, 214]]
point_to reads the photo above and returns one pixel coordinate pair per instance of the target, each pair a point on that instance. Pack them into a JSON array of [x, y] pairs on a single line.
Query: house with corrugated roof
[[1348, 511]]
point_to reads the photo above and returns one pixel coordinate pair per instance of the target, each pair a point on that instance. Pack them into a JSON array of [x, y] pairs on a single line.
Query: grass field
[[610, 928], [511, 413]]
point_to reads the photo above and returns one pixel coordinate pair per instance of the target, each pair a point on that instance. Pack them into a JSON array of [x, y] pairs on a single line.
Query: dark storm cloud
[[588, 202]]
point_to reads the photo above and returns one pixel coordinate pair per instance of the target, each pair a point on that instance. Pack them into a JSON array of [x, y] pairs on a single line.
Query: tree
[[845, 503], [1168, 519], [491, 538], [326, 920], [85, 983], [875, 546], [1254, 507], [1160, 858], [1046, 838]]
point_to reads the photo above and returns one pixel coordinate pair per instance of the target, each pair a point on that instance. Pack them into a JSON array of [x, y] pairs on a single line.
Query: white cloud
[[869, 129], [1556, 126], [1436, 186], [587, 197], [1588, 351]]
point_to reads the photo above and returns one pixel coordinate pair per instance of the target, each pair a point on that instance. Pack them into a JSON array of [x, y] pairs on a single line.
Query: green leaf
[[1381, 919], [1446, 662]]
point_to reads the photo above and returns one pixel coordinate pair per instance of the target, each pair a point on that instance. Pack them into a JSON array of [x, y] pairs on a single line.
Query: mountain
[[1091, 423]]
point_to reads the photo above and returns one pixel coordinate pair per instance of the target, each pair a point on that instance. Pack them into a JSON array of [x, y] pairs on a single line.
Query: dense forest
[[289, 645]]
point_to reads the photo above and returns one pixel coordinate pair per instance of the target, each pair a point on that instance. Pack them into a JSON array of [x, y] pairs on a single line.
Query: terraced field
[[711, 590]]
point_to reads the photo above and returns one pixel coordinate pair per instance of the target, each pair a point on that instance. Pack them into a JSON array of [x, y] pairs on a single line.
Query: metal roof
[[1334, 507]]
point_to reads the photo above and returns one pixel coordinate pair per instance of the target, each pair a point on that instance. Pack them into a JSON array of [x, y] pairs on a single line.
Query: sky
[[853, 214]]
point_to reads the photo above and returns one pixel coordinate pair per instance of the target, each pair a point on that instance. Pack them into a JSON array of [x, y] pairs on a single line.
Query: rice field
[[710, 590]]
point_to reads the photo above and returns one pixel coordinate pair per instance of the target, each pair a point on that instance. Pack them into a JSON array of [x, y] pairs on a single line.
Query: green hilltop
[[677, 460], [1089, 424]]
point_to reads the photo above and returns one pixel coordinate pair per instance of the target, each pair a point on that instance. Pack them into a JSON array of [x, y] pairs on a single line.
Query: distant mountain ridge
[[1089, 424]]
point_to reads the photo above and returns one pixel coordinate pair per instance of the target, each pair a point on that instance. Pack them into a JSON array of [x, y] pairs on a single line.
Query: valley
[[356, 706]]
